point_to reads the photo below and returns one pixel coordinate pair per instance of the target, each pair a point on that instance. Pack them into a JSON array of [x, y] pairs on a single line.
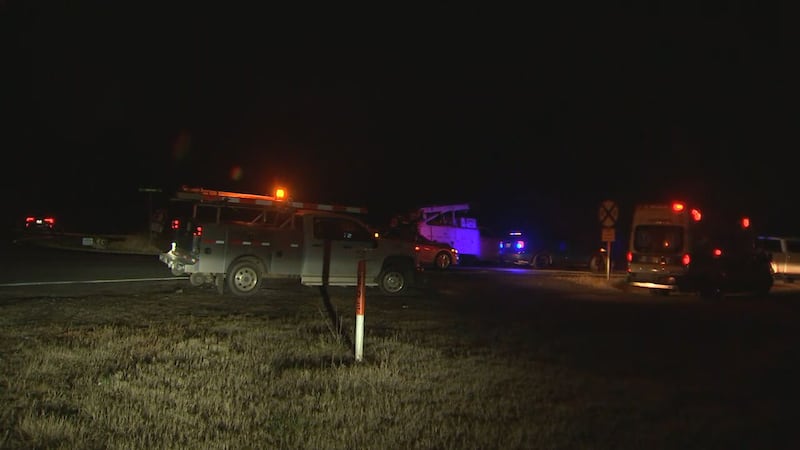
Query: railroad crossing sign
[[608, 213]]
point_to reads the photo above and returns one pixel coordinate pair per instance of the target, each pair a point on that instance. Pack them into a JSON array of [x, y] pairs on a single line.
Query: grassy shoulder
[[170, 367]]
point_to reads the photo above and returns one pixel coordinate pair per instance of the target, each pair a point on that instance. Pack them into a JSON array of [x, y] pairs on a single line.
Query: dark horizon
[[534, 123]]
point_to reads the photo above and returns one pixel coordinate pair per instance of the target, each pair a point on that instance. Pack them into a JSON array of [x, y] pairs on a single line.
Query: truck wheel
[[541, 261], [219, 282], [442, 260], [597, 264], [244, 277], [393, 281]]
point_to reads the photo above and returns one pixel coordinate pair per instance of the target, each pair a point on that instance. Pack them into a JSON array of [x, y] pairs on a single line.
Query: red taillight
[[175, 224], [50, 221], [198, 231], [696, 215], [717, 252], [629, 256], [745, 222], [686, 259], [30, 220]]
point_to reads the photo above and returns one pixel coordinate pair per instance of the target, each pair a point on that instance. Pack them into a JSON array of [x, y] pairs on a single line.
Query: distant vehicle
[[44, 223], [438, 255], [674, 248], [784, 253], [520, 250]]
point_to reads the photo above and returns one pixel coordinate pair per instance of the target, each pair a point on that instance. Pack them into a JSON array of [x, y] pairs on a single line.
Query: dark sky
[[531, 116]]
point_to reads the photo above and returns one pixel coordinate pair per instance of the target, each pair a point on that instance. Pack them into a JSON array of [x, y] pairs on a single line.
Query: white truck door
[[792, 258], [333, 249]]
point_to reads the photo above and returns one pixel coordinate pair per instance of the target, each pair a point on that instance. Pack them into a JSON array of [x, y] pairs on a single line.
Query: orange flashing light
[[280, 194], [678, 207]]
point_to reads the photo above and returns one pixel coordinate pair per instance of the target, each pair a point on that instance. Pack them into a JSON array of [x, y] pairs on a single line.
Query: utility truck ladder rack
[[267, 208]]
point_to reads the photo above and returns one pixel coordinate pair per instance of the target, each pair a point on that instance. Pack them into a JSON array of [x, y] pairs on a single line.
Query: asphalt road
[[24, 262]]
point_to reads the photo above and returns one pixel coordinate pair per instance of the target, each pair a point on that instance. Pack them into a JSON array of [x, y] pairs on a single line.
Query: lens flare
[[236, 173]]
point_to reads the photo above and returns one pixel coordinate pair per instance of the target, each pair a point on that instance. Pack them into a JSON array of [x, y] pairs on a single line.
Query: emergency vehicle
[[675, 248], [237, 241], [519, 249]]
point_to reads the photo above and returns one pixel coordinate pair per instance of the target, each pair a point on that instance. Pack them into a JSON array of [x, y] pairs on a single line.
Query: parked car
[[438, 255], [784, 253]]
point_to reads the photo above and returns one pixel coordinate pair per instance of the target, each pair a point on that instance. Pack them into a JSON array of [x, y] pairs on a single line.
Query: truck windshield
[[662, 239]]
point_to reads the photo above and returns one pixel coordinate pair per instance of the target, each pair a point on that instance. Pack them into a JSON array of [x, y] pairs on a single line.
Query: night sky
[[533, 117]]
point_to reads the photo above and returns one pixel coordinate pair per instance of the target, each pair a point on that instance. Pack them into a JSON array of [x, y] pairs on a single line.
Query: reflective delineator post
[[360, 301]]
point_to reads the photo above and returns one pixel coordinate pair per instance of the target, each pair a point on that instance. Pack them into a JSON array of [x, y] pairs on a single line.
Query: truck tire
[[710, 287], [541, 261], [597, 263], [244, 277], [393, 280], [442, 260]]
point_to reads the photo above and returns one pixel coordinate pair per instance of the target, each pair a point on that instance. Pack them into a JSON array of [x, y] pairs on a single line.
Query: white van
[[659, 248]]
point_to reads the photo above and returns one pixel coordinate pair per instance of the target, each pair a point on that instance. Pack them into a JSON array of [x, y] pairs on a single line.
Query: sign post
[[608, 215]]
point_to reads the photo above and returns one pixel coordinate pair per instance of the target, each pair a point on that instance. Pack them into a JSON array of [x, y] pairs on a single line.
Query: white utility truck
[[249, 238]]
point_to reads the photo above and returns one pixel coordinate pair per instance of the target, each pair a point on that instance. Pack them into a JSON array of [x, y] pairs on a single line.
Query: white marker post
[[360, 301]]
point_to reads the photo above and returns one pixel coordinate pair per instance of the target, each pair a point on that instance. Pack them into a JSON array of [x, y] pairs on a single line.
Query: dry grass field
[[157, 365]]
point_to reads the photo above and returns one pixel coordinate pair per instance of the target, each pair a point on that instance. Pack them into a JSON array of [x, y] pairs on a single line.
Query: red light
[[686, 259], [745, 222], [629, 256], [175, 224], [717, 252], [696, 215], [198, 231], [678, 207]]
